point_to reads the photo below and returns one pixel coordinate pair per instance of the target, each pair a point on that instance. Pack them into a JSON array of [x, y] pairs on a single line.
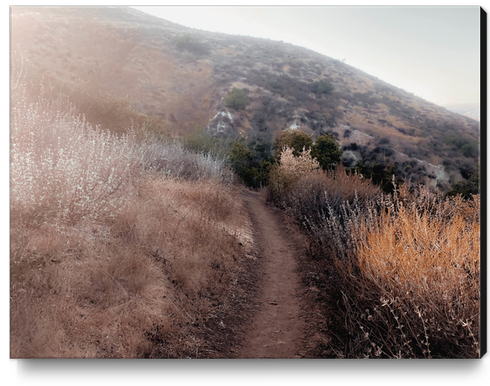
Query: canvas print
[[245, 182]]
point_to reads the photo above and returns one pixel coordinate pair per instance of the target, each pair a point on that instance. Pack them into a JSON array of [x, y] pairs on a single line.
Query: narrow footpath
[[276, 330]]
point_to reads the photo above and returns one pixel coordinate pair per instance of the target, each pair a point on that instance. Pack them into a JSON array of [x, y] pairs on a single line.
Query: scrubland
[[396, 276], [123, 240], [118, 243]]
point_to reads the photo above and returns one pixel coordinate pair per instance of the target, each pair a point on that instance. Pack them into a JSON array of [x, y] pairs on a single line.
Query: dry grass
[[413, 288], [103, 289], [406, 267], [115, 248]]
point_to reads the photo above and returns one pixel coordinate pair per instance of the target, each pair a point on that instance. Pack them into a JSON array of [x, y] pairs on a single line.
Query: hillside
[[119, 63]]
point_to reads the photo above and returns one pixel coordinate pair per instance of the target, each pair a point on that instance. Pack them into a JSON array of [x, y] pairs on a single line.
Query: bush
[[251, 162], [113, 248], [289, 170], [417, 291], [408, 267], [323, 86], [237, 99], [466, 188], [326, 151]]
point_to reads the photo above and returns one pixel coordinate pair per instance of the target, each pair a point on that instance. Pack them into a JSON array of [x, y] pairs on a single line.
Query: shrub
[[200, 141], [326, 151], [408, 268], [419, 283], [251, 162], [289, 170], [107, 251], [323, 86], [237, 99], [466, 188], [170, 157]]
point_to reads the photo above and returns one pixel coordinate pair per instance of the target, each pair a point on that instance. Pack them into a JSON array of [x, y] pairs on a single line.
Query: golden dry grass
[[407, 266], [412, 282]]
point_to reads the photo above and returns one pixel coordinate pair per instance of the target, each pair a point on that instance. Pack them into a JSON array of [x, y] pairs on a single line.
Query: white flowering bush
[[62, 166]]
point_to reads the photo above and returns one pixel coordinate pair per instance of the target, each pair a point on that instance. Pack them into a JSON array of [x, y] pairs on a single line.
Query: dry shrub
[[110, 258], [290, 169], [122, 287], [417, 290], [315, 194], [406, 267], [410, 277], [172, 158]]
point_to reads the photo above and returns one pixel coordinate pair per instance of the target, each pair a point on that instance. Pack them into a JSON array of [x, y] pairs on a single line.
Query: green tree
[[237, 99], [326, 151], [251, 162], [295, 139]]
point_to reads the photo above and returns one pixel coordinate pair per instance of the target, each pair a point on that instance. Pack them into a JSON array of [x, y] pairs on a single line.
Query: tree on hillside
[[295, 139], [326, 151]]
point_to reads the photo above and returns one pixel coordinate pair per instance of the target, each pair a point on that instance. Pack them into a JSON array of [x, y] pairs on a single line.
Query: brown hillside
[[177, 79]]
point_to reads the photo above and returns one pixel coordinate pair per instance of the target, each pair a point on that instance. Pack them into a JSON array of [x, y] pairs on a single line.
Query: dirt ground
[[275, 310], [277, 329]]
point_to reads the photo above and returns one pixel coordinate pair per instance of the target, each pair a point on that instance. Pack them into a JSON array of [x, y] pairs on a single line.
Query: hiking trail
[[276, 330]]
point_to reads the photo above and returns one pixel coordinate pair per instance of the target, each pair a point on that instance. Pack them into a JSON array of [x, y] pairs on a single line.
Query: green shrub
[[251, 162], [326, 151], [466, 188], [295, 139], [237, 99], [200, 141], [323, 86]]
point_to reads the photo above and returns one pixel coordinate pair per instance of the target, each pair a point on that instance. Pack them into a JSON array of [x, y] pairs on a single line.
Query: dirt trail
[[276, 330]]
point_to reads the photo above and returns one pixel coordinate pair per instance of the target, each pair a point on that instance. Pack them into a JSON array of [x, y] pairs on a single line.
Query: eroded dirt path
[[276, 330]]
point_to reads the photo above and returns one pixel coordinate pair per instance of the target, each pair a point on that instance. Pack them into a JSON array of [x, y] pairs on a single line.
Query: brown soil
[[277, 328]]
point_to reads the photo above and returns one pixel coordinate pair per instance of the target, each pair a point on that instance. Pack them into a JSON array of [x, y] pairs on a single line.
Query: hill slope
[[119, 60]]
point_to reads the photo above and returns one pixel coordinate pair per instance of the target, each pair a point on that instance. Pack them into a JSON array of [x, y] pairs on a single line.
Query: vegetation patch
[[119, 245], [237, 99], [403, 269]]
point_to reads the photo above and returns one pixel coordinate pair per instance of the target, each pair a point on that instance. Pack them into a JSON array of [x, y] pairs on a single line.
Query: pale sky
[[433, 52]]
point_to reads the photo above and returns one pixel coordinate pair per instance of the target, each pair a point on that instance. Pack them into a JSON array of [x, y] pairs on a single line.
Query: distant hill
[[470, 110], [181, 79]]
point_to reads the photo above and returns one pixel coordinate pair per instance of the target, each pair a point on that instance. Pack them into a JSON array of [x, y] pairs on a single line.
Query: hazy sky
[[433, 52]]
